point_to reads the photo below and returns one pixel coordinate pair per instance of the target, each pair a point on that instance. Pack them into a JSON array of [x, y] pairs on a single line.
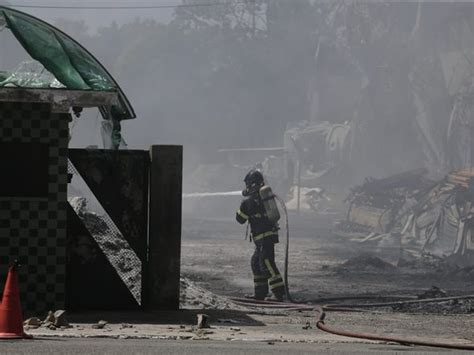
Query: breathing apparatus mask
[[253, 182]]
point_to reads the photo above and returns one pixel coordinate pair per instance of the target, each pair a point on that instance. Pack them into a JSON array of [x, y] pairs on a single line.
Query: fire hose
[[404, 341], [287, 246], [320, 310], [400, 303], [321, 315]]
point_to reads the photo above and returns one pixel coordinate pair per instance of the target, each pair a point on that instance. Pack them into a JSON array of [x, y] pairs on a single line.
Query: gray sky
[[96, 18]]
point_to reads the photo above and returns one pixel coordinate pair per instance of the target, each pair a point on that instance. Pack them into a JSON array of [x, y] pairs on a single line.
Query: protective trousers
[[265, 272]]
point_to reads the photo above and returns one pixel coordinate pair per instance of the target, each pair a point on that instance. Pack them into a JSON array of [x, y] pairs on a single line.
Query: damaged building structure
[[80, 219], [390, 103], [408, 216], [415, 114], [400, 78]]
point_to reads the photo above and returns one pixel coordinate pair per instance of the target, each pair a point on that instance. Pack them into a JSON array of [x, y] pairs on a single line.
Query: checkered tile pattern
[[34, 229]]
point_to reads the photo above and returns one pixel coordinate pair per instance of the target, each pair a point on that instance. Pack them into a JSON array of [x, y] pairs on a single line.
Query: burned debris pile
[[411, 216], [375, 205], [366, 262]]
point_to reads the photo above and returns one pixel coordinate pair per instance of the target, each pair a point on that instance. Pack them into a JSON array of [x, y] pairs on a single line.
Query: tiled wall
[[33, 229]]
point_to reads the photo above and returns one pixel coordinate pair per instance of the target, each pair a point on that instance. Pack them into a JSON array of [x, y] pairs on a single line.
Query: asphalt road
[[153, 346]]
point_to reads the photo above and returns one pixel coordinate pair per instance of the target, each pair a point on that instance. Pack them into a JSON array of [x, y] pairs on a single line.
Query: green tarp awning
[[70, 63]]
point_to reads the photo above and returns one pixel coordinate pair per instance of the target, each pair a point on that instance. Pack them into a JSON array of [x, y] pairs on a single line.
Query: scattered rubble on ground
[[49, 317], [99, 325], [367, 263], [455, 306], [53, 321], [195, 297], [125, 326], [60, 319], [203, 321], [32, 322]]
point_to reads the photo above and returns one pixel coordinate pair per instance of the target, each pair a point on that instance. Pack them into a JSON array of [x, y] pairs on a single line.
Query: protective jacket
[[265, 234], [251, 210]]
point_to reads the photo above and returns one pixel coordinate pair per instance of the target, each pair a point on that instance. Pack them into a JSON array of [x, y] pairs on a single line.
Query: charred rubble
[[414, 218]]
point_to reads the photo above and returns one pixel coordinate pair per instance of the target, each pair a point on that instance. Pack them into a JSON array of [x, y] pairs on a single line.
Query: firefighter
[[264, 233]]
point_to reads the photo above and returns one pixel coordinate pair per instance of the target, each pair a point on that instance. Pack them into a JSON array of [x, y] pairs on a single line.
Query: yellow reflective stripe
[[243, 215], [275, 278], [263, 235], [269, 267], [259, 277], [277, 285]]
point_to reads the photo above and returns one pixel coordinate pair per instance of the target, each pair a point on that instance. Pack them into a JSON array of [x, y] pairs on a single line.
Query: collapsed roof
[[73, 67]]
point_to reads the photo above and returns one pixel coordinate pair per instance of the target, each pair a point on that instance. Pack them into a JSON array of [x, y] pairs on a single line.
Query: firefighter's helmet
[[253, 181]]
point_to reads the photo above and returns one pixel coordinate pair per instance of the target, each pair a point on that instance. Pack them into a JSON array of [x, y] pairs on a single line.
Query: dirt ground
[[321, 264], [216, 257], [215, 266]]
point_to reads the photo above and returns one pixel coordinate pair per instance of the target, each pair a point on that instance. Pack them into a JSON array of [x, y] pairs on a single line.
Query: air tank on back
[[269, 203]]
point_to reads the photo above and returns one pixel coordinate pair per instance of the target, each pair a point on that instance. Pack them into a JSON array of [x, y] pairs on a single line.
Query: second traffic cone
[[11, 319]]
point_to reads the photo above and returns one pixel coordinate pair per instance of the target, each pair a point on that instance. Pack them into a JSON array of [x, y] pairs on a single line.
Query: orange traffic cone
[[11, 319]]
